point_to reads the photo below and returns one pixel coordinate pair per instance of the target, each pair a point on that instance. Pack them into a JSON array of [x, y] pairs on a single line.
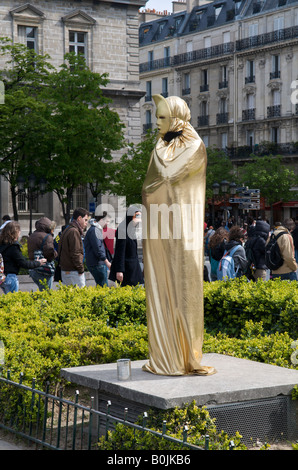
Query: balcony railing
[[248, 114], [203, 121], [156, 64], [273, 111], [267, 38], [250, 79], [222, 118], [204, 87], [186, 91], [223, 84], [275, 74], [203, 54]]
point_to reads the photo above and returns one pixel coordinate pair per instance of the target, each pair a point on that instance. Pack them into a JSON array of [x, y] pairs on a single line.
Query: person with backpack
[[280, 252], [255, 250], [216, 249], [233, 263], [41, 243], [13, 258]]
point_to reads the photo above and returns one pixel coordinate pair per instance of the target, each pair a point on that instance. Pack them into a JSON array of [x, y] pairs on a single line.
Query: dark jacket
[[258, 243], [295, 237], [95, 251], [43, 229], [70, 249], [126, 259], [14, 259]]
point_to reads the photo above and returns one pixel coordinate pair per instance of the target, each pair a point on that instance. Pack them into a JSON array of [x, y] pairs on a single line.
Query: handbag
[[47, 269]]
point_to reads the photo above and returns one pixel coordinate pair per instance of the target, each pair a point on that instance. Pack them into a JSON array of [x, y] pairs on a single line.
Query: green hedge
[[228, 305], [46, 331]]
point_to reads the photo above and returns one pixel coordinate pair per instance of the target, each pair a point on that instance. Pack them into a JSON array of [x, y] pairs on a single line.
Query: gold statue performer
[[173, 203]]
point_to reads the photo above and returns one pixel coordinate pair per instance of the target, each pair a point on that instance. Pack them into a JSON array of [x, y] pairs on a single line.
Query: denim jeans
[[287, 276], [73, 278], [37, 277], [11, 284], [100, 274]]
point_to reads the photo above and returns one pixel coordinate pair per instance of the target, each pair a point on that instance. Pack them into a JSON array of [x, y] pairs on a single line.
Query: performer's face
[[163, 121]]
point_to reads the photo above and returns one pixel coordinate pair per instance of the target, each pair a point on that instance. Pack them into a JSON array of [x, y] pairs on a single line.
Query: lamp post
[[224, 186], [31, 185]]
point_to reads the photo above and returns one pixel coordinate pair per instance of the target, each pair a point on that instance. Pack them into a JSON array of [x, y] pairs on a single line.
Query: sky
[[159, 5]]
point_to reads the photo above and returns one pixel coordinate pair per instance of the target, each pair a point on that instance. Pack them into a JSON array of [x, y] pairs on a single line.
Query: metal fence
[[54, 422]]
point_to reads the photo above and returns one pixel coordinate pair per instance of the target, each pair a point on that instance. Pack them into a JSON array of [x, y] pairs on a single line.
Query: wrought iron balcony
[[250, 79], [267, 38], [248, 114], [222, 118], [273, 111], [203, 121], [275, 74], [223, 84], [204, 87], [186, 91]]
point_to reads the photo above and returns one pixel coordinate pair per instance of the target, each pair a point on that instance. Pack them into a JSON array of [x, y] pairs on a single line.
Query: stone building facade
[[106, 32], [235, 62]]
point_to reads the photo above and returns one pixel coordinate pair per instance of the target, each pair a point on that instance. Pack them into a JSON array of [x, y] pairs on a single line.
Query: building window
[[28, 36], [275, 135], [275, 67], [164, 87], [186, 84], [148, 96], [150, 59], [78, 43], [166, 55], [205, 139], [224, 140], [204, 86], [148, 125], [79, 198], [250, 72], [250, 138]]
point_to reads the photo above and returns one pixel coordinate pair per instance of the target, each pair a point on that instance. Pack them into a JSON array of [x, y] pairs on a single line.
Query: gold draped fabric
[[173, 251]]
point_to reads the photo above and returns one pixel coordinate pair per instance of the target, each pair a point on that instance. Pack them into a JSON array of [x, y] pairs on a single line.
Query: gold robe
[[174, 254]]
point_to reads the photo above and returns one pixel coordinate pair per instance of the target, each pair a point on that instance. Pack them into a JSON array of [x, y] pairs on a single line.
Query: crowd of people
[[111, 256], [252, 241], [64, 256]]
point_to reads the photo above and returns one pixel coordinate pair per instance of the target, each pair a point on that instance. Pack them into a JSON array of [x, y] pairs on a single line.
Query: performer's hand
[[119, 277]]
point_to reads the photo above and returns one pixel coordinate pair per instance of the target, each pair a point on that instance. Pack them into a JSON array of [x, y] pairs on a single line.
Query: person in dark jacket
[[257, 244], [42, 238], [95, 250], [71, 249], [126, 267], [13, 257]]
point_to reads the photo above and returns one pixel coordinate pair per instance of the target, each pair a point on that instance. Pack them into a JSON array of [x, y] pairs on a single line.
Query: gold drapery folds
[[174, 200]]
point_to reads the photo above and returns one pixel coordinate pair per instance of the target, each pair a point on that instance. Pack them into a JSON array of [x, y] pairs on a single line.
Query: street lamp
[[224, 186]]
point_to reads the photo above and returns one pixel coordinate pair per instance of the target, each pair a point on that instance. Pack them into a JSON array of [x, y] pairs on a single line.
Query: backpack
[[226, 267], [273, 258], [2, 275]]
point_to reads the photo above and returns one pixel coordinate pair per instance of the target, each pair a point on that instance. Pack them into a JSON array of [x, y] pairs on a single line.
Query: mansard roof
[[206, 17]]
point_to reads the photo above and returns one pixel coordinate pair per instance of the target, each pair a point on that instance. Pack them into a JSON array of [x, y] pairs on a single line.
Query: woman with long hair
[[216, 249], [13, 258]]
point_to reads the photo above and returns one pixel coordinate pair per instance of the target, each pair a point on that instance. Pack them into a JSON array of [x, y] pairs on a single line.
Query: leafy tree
[[83, 130], [22, 127], [271, 176], [131, 169], [219, 167]]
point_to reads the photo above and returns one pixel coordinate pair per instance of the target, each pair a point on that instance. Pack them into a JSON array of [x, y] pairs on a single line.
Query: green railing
[[58, 423]]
